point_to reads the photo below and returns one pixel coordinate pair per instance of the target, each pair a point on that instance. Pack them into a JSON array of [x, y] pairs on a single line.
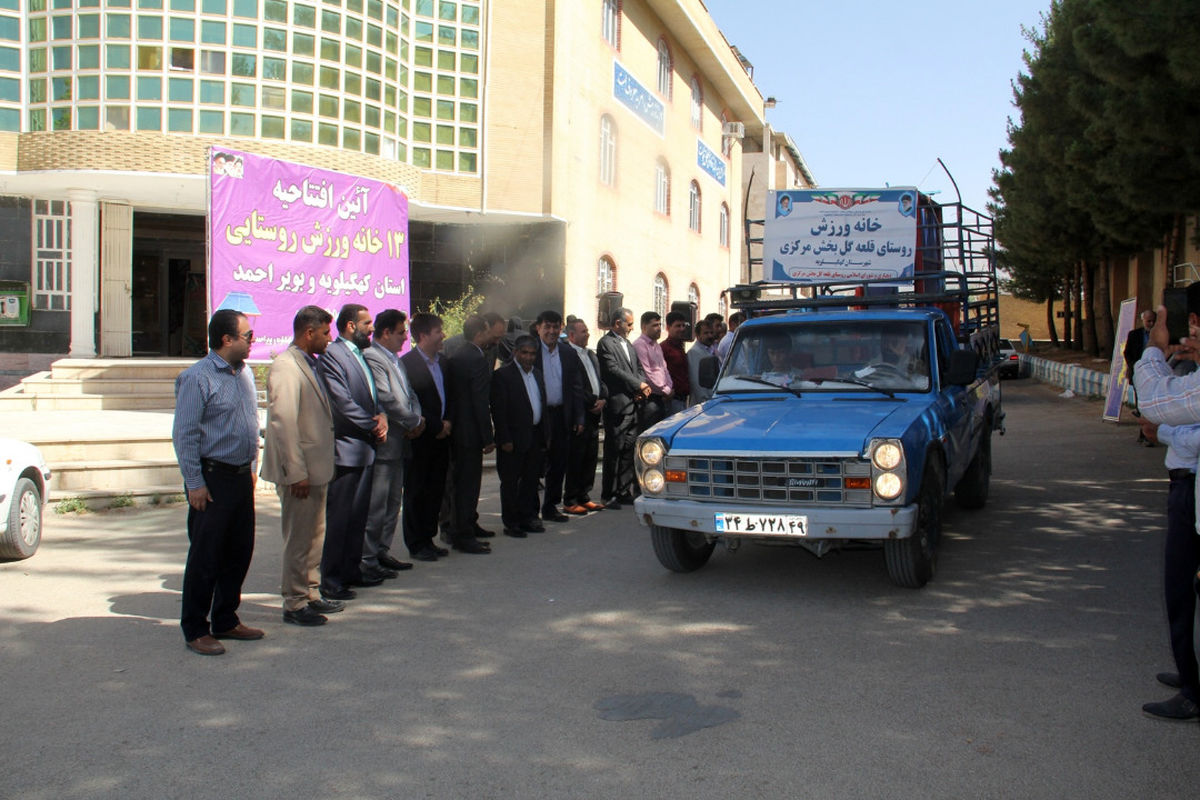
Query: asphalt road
[[570, 664]]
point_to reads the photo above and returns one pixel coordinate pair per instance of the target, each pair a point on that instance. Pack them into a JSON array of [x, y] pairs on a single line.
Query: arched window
[[664, 69], [606, 275], [611, 23], [694, 206], [694, 295], [723, 225], [662, 188], [608, 150], [697, 104], [660, 294]]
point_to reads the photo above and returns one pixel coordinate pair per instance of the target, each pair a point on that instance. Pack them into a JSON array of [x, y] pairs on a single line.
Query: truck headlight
[[888, 455], [888, 485], [651, 452], [653, 481]]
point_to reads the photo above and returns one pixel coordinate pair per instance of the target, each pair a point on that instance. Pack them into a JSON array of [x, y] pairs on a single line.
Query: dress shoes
[[577, 509], [1169, 679], [339, 594], [624, 499], [388, 562], [323, 606], [206, 646], [592, 506], [471, 546], [243, 632], [516, 533], [483, 533], [425, 554], [1178, 708], [440, 551], [612, 504], [533, 527], [305, 615], [554, 515], [366, 580], [372, 573]]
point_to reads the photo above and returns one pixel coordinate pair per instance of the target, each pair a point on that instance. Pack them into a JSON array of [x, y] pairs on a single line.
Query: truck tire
[[24, 522], [911, 562], [972, 488], [680, 551]]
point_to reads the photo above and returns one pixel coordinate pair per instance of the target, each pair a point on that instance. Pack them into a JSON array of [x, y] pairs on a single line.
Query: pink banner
[[283, 236]]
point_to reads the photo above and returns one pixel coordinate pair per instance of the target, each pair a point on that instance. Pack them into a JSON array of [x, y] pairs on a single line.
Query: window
[[664, 69], [52, 255], [608, 151], [611, 23], [723, 226], [694, 295], [697, 104], [694, 206], [606, 275], [662, 188], [660, 294]]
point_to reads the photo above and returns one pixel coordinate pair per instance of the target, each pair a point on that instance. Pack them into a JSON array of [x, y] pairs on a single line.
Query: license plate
[[763, 524]]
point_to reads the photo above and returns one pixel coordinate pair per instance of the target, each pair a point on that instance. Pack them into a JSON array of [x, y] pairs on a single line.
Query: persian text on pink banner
[[283, 236]]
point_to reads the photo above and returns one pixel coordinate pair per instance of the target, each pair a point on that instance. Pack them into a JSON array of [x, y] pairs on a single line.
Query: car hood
[[789, 424], [21, 455]]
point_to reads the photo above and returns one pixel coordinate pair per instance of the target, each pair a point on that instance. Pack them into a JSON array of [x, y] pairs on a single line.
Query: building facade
[[549, 150]]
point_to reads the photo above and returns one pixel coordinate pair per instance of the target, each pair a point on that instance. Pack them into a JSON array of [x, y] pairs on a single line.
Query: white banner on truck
[[830, 234]]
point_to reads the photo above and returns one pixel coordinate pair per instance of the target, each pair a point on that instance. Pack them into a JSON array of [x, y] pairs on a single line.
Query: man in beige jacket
[[298, 459]]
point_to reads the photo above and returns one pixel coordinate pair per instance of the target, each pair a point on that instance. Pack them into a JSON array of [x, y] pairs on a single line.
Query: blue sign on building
[[638, 99], [710, 162]]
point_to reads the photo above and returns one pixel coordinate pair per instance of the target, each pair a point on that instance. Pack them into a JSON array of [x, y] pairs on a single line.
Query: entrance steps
[[95, 384]]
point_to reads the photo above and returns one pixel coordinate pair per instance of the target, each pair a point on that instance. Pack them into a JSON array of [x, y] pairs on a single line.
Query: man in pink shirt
[[653, 363]]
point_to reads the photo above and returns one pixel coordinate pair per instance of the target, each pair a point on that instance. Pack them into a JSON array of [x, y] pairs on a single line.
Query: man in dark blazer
[[399, 402], [622, 373], [1135, 345], [471, 421], [425, 480], [357, 426], [584, 448], [518, 413], [562, 373]]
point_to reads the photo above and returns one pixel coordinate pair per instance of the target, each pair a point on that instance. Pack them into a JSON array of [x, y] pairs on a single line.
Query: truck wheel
[[24, 521], [972, 488], [911, 562], [680, 551]]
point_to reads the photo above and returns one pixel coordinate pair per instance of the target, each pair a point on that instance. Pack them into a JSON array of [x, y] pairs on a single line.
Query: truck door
[[957, 408]]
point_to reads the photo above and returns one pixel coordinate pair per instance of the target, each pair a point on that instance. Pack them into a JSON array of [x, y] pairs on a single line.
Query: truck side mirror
[[709, 367], [964, 367]]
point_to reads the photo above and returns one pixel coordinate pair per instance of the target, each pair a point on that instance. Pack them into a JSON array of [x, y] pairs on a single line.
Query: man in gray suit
[[396, 399]]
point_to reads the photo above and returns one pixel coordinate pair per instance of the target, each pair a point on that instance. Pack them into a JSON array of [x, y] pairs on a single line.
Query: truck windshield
[[829, 356]]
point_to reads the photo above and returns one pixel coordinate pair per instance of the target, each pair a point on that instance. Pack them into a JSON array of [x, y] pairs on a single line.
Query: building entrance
[[168, 306]]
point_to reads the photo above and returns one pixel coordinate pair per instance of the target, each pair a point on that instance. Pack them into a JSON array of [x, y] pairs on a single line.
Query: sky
[[874, 92]]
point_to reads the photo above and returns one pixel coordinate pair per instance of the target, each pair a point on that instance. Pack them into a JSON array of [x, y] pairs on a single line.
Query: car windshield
[[829, 356]]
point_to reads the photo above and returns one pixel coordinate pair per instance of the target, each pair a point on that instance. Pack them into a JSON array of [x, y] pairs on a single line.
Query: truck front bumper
[[890, 522]]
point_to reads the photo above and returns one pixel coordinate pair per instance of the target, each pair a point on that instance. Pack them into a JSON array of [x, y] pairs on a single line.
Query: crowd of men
[[361, 441]]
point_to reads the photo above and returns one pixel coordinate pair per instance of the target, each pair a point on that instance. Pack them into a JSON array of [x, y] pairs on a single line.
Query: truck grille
[[783, 481]]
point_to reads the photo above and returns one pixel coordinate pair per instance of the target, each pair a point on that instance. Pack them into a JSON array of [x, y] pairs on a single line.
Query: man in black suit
[[518, 413], [357, 426], [585, 445], [470, 390], [563, 374], [622, 373], [1135, 344], [425, 479]]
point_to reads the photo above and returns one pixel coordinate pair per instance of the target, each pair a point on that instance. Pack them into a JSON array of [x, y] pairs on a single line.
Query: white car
[[23, 479]]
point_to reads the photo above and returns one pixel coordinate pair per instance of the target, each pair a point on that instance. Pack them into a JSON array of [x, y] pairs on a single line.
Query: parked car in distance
[[23, 480], [1010, 366]]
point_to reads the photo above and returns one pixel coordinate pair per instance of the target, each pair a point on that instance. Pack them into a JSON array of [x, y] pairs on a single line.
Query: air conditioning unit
[[734, 130]]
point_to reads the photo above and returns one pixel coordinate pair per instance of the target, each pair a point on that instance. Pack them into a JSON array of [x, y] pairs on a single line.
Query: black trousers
[[1181, 559], [519, 473], [582, 453], [620, 436], [556, 458], [346, 507], [466, 466], [654, 411], [424, 485], [222, 544]]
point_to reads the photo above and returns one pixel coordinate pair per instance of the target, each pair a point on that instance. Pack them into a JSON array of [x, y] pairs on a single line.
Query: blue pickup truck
[[834, 420]]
